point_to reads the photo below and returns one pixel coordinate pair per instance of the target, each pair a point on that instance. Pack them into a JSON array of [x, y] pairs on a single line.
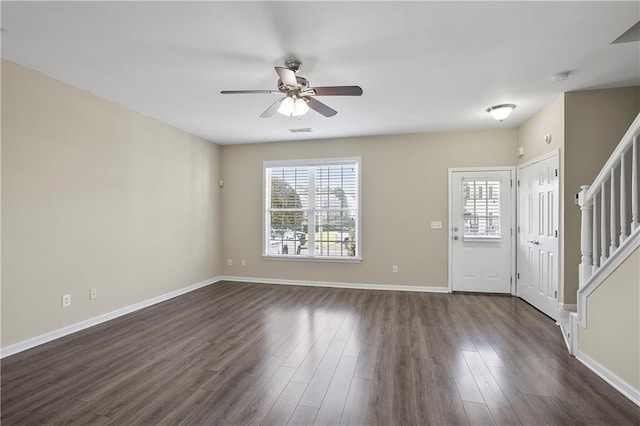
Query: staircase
[[610, 234]]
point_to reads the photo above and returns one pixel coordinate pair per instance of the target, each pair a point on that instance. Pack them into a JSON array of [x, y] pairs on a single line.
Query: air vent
[[301, 130], [631, 35]]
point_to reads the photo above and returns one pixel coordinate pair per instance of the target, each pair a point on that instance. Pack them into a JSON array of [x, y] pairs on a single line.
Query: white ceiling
[[423, 66]]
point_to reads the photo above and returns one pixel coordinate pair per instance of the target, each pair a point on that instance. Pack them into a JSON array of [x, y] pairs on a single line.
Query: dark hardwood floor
[[242, 354]]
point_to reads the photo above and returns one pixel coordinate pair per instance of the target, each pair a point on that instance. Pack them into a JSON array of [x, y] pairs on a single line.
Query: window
[[312, 209], [481, 207]]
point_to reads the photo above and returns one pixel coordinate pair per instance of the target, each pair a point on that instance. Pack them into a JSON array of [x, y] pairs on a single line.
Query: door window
[[481, 209]]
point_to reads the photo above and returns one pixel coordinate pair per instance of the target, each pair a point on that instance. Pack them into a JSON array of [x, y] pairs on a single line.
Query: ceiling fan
[[298, 98]]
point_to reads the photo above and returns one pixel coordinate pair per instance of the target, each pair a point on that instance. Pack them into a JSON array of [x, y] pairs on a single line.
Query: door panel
[[537, 278], [480, 244]]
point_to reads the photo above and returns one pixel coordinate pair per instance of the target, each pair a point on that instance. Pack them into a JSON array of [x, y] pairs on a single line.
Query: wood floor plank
[[326, 350], [312, 347], [468, 391], [249, 353], [324, 373], [330, 411], [437, 398], [285, 405], [262, 403], [303, 416], [358, 402], [478, 414]]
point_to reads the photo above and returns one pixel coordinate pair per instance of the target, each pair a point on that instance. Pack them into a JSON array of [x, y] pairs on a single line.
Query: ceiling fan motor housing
[[303, 83], [293, 64]]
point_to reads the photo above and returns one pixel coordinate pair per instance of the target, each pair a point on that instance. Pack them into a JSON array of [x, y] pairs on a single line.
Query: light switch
[[436, 224]]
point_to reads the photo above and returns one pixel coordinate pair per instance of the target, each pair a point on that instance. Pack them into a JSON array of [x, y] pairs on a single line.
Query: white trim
[[482, 169], [310, 163], [565, 312], [358, 286], [70, 329], [566, 335], [296, 258], [550, 154], [627, 247], [620, 385], [513, 194], [573, 332]]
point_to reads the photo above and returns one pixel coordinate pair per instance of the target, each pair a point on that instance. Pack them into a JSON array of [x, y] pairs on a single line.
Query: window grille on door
[[481, 208]]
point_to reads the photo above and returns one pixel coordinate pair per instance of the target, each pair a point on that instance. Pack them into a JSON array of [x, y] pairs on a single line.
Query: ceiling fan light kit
[[293, 107], [298, 97], [500, 112]]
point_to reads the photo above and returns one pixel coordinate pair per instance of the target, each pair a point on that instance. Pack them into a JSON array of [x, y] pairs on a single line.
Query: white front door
[[537, 277], [480, 244]]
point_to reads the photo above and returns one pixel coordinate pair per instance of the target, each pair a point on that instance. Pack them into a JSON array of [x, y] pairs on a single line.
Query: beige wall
[[97, 196], [612, 336], [549, 120], [404, 188], [595, 121]]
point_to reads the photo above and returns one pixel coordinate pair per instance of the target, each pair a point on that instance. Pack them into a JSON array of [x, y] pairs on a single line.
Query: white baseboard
[[565, 311], [566, 336], [609, 377], [65, 331], [387, 287]]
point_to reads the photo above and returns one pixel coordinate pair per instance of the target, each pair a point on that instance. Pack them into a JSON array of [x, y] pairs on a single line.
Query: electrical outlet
[[66, 300], [244, 262], [93, 293], [229, 262], [395, 269]]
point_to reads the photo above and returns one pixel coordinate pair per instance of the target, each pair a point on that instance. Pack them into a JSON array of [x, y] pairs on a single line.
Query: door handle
[[455, 237], [534, 242]]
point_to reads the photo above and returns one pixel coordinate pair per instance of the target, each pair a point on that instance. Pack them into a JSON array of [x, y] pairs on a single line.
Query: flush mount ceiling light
[[500, 112], [293, 107]]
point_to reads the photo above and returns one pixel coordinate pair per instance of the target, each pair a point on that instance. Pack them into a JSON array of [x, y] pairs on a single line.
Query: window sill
[[313, 259], [482, 238]]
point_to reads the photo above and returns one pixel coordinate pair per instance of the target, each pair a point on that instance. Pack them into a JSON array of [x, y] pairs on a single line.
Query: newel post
[[586, 260]]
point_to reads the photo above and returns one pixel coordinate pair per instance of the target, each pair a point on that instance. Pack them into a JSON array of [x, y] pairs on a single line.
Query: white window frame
[[314, 162]]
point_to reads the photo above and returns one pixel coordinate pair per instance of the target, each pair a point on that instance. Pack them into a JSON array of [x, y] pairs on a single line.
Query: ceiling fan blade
[[337, 91], [287, 76], [319, 107], [242, 92], [272, 109]]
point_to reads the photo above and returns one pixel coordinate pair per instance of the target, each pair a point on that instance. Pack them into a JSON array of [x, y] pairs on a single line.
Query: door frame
[[512, 236], [551, 154]]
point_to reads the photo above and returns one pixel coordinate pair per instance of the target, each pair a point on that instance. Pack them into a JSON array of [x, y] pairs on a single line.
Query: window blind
[[481, 208], [312, 210]]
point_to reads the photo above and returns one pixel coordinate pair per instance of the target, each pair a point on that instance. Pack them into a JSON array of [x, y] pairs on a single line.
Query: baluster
[[594, 231], [623, 201], [603, 224], [634, 184], [586, 260], [612, 213]]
